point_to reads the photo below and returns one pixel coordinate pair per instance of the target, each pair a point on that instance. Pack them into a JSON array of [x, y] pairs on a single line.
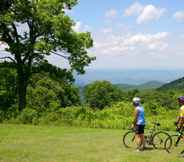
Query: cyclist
[[180, 120], [139, 123]]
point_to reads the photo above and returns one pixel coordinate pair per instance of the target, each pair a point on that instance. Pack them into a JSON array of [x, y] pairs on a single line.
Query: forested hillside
[[177, 85]]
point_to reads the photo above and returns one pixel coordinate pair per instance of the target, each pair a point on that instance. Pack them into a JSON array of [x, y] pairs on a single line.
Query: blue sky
[[133, 34], [129, 34], [93, 13]]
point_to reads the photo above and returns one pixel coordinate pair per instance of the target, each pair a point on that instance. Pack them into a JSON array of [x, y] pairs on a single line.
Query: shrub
[[28, 116]]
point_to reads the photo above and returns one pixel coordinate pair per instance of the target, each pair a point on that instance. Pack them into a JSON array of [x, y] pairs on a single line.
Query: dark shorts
[[139, 129]]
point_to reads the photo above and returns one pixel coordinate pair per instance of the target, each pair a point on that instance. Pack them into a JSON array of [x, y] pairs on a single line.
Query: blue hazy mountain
[[130, 77], [145, 86]]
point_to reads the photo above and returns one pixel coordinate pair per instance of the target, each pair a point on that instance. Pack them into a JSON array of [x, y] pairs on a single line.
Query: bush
[[117, 116], [28, 116]]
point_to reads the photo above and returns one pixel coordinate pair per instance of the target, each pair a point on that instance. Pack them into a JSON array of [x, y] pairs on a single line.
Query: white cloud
[[77, 26], [182, 36], [107, 30], [150, 41], [138, 50], [3, 46], [145, 13], [179, 16], [80, 27], [114, 44], [150, 13], [111, 13], [134, 9]]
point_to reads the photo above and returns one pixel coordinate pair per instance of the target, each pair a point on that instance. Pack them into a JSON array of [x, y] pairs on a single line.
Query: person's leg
[[142, 145], [137, 136], [141, 136], [138, 140]]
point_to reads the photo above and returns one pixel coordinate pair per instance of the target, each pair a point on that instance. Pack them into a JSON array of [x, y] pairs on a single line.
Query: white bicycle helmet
[[136, 100]]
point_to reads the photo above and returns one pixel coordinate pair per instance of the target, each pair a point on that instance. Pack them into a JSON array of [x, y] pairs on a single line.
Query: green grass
[[25, 143]]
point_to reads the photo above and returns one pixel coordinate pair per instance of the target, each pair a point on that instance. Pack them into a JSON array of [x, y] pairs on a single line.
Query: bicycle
[[152, 138], [174, 140]]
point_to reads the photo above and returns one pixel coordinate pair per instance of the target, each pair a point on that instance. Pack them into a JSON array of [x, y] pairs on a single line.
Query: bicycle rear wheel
[[159, 139], [129, 140]]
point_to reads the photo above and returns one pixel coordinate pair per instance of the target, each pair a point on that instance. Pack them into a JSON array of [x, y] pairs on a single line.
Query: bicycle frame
[[149, 136]]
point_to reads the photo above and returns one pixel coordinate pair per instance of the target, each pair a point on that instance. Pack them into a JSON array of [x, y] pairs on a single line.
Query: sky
[[128, 34]]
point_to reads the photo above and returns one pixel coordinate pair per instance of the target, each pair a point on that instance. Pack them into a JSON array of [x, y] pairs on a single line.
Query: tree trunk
[[22, 82]]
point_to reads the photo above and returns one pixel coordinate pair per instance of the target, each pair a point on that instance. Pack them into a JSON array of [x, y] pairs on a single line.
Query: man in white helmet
[[139, 122]]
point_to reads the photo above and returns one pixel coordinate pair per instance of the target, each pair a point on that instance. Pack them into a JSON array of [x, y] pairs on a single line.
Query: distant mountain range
[[144, 86], [127, 78], [177, 84]]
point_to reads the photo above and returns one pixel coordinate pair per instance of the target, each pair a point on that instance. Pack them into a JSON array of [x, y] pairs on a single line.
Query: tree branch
[[15, 33], [58, 54], [6, 57]]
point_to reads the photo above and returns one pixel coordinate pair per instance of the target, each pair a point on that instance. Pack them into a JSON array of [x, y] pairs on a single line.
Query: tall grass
[[118, 116]]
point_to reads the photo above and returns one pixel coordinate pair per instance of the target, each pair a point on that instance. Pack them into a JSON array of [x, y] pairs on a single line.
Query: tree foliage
[[7, 87], [44, 93], [101, 93], [33, 29], [49, 87]]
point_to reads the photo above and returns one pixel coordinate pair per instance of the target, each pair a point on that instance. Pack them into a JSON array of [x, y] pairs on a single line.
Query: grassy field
[[25, 143]]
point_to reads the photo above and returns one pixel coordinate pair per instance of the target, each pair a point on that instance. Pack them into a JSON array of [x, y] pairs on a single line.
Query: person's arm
[[181, 122], [177, 120], [136, 112]]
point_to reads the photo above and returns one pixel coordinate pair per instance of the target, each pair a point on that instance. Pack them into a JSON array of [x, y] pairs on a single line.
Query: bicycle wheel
[[170, 143], [159, 139], [129, 140]]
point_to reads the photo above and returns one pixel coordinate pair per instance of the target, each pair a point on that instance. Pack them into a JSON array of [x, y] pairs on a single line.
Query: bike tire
[[170, 143], [129, 139], [159, 139]]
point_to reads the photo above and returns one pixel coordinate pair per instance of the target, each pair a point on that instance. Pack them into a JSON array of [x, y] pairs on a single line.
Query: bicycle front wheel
[[159, 139], [129, 140], [170, 143]]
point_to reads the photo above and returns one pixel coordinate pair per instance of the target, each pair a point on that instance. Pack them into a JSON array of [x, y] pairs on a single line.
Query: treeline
[[54, 99]]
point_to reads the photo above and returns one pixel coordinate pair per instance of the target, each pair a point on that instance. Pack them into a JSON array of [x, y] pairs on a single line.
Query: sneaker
[[139, 150]]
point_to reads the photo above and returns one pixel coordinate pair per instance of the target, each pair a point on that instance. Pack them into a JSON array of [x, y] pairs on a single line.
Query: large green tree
[[33, 29], [100, 94]]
